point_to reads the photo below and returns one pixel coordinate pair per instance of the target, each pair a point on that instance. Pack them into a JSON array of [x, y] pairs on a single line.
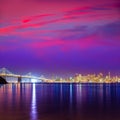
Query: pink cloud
[[37, 17], [46, 44], [6, 48], [83, 44], [26, 20], [89, 16]]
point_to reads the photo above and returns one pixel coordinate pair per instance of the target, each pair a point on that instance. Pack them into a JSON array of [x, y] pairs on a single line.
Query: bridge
[[15, 78]]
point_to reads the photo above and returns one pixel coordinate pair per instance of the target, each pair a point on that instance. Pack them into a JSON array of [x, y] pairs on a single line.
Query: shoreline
[[63, 83]]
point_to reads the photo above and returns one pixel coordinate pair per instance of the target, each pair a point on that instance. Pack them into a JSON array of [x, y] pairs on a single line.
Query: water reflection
[[71, 96], [78, 93], [33, 104], [60, 102], [71, 93]]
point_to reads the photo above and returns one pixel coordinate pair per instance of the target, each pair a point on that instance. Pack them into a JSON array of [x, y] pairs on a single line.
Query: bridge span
[[15, 78]]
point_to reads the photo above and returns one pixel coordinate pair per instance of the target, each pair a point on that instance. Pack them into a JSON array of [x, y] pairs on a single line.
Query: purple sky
[[60, 37]]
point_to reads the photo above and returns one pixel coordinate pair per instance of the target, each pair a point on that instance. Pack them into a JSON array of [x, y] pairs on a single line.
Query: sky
[[60, 37]]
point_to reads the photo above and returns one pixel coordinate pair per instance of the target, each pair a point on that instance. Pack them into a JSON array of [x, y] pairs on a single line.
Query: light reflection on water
[[71, 97], [33, 104], [60, 102]]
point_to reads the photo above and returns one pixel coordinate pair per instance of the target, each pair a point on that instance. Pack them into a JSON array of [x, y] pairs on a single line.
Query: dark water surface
[[60, 102]]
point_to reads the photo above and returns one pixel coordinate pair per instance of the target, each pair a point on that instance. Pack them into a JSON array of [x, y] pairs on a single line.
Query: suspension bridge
[[15, 78]]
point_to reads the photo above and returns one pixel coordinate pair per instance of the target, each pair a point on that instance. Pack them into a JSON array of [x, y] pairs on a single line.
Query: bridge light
[[33, 80]]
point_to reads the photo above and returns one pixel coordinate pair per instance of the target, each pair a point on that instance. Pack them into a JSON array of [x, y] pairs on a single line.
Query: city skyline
[[78, 77], [60, 37]]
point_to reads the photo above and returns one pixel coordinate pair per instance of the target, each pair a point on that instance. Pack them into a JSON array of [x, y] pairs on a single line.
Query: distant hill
[[2, 80]]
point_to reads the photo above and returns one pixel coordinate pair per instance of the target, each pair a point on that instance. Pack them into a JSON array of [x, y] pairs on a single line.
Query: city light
[[77, 78], [33, 80]]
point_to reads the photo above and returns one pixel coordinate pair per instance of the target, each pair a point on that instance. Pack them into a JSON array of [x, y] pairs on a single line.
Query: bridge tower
[[30, 74], [8, 76], [5, 71], [19, 79]]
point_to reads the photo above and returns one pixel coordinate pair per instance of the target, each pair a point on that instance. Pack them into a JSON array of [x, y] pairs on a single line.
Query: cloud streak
[[77, 35]]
